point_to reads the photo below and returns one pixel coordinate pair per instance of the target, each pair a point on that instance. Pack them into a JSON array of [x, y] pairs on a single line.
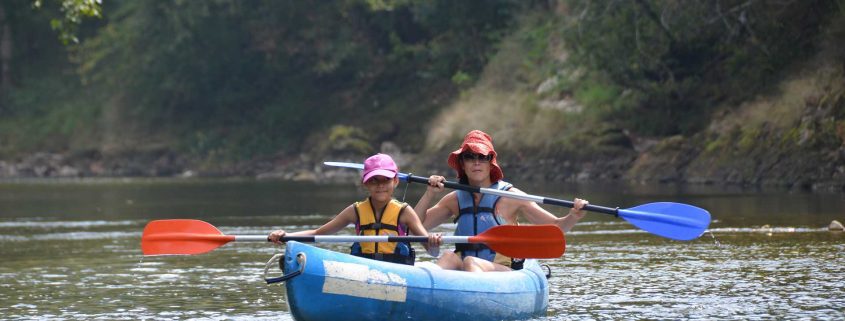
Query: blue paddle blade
[[671, 220]]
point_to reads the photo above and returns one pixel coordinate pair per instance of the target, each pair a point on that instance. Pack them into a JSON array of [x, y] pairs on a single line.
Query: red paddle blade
[[180, 237], [524, 241]]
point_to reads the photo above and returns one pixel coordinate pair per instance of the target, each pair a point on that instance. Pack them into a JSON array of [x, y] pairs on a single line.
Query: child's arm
[[341, 220]]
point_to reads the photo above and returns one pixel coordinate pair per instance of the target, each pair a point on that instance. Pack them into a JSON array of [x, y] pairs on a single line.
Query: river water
[[71, 250]]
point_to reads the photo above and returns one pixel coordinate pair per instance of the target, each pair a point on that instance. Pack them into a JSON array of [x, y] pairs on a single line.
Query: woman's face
[[381, 188], [476, 166]]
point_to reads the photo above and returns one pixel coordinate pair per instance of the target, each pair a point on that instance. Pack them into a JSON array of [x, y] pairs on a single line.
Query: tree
[[673, 60], [13, 14], [5, 51], [74, 11]]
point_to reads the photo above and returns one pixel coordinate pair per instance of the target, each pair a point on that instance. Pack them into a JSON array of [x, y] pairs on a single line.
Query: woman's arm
[[538, 215], [435, 186], [440, 212], [432, 217]]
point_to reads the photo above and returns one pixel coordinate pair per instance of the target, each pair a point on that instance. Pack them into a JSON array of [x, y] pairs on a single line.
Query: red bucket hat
[[478, 142]]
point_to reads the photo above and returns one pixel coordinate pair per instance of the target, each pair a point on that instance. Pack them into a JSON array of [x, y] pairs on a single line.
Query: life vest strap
[[379, 226], [470, 210]]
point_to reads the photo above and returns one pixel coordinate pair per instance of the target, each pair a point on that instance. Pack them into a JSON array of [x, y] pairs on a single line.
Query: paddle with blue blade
[[185, 237], [675, 221]]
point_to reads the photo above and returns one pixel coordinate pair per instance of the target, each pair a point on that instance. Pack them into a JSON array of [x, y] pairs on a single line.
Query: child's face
[[381, 188]]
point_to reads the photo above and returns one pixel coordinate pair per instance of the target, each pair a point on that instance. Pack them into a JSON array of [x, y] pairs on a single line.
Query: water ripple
[[64, 224]]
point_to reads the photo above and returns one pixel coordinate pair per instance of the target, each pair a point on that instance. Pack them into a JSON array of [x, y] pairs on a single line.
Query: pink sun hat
[[379, 165]]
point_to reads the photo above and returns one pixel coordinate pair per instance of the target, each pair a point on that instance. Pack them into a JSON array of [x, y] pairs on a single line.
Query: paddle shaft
[[676, 221], [303, 238], [526, 197], [187, 236]]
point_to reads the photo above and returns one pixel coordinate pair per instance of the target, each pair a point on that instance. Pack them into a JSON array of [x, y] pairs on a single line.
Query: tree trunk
[[5, 52], [657, 21]]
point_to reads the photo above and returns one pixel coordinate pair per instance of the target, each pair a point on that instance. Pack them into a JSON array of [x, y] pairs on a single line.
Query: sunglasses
[[476, 157]]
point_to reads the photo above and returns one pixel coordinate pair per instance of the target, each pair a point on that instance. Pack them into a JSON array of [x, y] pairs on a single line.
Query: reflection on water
[[71, 251]]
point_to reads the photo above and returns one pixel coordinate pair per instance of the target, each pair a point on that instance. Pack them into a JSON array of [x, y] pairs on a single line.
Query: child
[[379, 214]]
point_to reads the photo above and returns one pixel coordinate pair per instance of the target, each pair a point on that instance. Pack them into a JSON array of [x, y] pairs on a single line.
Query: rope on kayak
[[549, 271], [300, 258], [406, 187]]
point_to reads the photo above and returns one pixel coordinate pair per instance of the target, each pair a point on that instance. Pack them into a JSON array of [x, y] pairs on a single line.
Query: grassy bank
[[538, 105]]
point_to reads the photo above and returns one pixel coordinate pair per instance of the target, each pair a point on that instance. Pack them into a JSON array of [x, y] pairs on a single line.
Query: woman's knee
[[474, 264], [449, 261], [471, 264]]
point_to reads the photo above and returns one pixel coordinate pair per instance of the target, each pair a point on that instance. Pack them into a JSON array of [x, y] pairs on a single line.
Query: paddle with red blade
[[671, 220], [185, 237]]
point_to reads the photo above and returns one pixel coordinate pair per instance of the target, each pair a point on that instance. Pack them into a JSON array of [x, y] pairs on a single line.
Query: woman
[[476, 165], [378, 214]]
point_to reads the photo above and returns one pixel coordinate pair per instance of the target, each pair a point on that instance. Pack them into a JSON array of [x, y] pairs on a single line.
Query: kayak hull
[[337, 286]]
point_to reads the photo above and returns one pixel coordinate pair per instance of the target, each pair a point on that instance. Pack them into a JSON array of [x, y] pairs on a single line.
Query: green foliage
[[44, 106], [285, 70], [73, 12], [348, 139], [461, 79], [597, 95], [716, 146], [749, 139], [683, 57], [227, 79]]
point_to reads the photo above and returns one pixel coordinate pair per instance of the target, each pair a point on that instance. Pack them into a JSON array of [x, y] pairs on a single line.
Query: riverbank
[[669, 161]]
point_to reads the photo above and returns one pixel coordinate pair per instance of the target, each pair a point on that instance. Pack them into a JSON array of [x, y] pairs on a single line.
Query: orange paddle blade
[[179, 237], [524, 241]]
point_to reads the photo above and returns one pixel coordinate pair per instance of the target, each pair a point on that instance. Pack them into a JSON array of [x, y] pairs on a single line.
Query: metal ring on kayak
[[300, 258]]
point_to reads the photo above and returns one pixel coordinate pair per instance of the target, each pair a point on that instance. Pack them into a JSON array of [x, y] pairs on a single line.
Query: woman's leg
[[474, 264], [450, 261]]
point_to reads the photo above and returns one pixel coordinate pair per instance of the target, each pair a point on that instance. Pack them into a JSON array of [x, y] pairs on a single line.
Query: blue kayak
[[327, 285]]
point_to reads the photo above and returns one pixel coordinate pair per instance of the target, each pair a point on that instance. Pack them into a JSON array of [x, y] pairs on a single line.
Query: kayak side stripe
[[359, 280]]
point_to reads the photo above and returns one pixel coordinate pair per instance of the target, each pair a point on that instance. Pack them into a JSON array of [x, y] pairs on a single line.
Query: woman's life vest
[[473, 220], [396, 252]]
